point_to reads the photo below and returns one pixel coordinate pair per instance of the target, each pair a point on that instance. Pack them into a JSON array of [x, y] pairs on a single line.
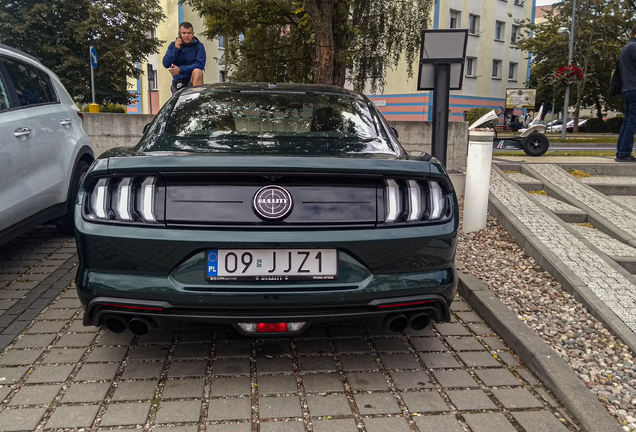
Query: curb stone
[[538, 356]]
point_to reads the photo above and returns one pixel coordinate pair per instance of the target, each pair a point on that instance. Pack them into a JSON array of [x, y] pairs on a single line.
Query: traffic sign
[[93, 56]]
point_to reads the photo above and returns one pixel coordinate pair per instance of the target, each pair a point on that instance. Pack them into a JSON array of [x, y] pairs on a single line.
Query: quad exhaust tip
[[115, 324], [138, 326], [398, 322], [419, 321]]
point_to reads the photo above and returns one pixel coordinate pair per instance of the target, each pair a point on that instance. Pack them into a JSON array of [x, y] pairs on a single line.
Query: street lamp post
[[566, 102]]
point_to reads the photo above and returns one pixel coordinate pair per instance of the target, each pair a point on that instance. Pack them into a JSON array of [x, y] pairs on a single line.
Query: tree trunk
[[599, 109], [321, 14]]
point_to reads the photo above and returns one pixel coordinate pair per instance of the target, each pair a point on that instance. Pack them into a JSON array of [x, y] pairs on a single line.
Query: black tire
[[536, 144], [66, 225]]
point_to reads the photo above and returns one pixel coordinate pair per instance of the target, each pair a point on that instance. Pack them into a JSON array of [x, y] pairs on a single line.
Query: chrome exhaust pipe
[[139, 326], [397, 322], [115, 324], [419, 320]]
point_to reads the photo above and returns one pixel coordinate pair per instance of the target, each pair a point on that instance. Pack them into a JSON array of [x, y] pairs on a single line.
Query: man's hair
[[634, 30], [185, 25]]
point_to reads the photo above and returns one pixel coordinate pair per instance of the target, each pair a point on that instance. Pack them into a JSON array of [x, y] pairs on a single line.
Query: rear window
[[261, 116]]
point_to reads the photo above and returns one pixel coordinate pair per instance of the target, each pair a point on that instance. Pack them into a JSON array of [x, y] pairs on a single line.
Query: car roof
[[273, 87], [17, 52]]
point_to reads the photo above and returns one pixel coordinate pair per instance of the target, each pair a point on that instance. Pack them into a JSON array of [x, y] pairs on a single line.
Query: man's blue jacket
[[627, 66], [188, 58]]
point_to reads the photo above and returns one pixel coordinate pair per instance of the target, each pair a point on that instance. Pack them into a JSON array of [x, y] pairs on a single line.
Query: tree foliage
[[601, 29], [321, 41], [59, 33]]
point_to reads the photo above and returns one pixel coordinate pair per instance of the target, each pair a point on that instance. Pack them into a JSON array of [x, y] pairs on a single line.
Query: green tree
[[60, 32], [602, 28], [324, 41]]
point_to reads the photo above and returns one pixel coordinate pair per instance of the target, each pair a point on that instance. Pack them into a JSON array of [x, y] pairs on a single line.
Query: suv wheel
[[67, 222]]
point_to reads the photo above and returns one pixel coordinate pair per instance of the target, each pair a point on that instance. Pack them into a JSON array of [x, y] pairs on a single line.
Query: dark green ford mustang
[[268, 207]]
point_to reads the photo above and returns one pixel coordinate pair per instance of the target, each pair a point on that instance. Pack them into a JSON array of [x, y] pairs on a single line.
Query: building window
[[500, 28], [473, 24], [155, 79], [221, 42], [519, 2], [153, 33], [222, 76], [471, 66], [512, 71], [455, 19], [496, 69], [514, 34]]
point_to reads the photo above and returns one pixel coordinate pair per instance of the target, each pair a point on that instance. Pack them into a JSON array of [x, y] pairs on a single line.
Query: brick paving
[[56, 374]]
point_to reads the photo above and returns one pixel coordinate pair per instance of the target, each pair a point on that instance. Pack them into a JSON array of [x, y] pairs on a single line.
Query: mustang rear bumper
[[159, 275], [161, 313]]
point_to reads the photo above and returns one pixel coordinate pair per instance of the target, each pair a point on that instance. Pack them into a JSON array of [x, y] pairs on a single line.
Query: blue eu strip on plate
[[212, 265]]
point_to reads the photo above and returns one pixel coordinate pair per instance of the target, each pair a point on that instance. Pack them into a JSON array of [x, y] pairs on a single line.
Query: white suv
[[44, 152]]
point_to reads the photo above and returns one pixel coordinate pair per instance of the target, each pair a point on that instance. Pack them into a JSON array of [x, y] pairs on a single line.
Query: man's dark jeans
[[625, 143]]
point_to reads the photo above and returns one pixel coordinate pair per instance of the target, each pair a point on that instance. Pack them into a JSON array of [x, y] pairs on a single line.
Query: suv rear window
[[32, 85]]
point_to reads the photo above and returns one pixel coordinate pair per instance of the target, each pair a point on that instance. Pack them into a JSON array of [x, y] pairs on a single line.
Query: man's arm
[[199, 61], [170, 56]]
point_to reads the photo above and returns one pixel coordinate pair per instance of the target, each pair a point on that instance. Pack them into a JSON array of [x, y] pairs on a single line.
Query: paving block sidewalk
[[57, 374], [579, 258]]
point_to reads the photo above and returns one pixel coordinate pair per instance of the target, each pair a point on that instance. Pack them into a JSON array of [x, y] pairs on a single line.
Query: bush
[[474, 113], [613, 125], [108, 108], [595, 125]]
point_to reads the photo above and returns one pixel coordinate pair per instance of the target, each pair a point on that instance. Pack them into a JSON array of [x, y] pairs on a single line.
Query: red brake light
[[271, 328]]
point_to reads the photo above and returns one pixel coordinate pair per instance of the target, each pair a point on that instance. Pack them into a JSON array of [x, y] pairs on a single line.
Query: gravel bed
[[603, 363]]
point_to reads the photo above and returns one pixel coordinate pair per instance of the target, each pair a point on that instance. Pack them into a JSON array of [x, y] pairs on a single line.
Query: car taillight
[[415, 201], [123, 199]]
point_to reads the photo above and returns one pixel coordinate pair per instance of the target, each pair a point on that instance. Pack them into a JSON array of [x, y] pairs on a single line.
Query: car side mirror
[[147, 125], [397, 135]]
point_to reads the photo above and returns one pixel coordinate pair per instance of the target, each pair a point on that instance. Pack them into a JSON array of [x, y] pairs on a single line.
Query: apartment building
[[492, 63]]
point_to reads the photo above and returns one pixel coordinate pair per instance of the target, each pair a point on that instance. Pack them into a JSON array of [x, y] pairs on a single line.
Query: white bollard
[[477, 180]]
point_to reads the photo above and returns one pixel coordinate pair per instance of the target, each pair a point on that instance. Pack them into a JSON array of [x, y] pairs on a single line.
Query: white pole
[[566, 102], [477, 187]]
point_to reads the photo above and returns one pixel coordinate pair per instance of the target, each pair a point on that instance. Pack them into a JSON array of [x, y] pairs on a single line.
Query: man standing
[[185, 59], [627, 67]]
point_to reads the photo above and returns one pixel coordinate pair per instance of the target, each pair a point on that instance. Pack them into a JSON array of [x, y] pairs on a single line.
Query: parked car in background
[[582, 127], [269, 207], [555, 125], [44, 152]]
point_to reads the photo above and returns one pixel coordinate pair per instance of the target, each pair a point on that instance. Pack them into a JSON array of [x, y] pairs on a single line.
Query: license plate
[[271, 264]]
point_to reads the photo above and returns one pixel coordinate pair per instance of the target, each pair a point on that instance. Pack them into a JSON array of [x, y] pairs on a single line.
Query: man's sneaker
[[630, 158]]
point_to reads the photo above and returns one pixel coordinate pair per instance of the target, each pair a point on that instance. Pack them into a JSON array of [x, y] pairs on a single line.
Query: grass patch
[[587, 225], [511, 172], [559, 153], [579, 173], [541, 192]]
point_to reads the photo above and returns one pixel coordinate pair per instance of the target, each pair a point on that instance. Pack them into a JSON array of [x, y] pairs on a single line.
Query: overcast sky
[[544, 2]]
